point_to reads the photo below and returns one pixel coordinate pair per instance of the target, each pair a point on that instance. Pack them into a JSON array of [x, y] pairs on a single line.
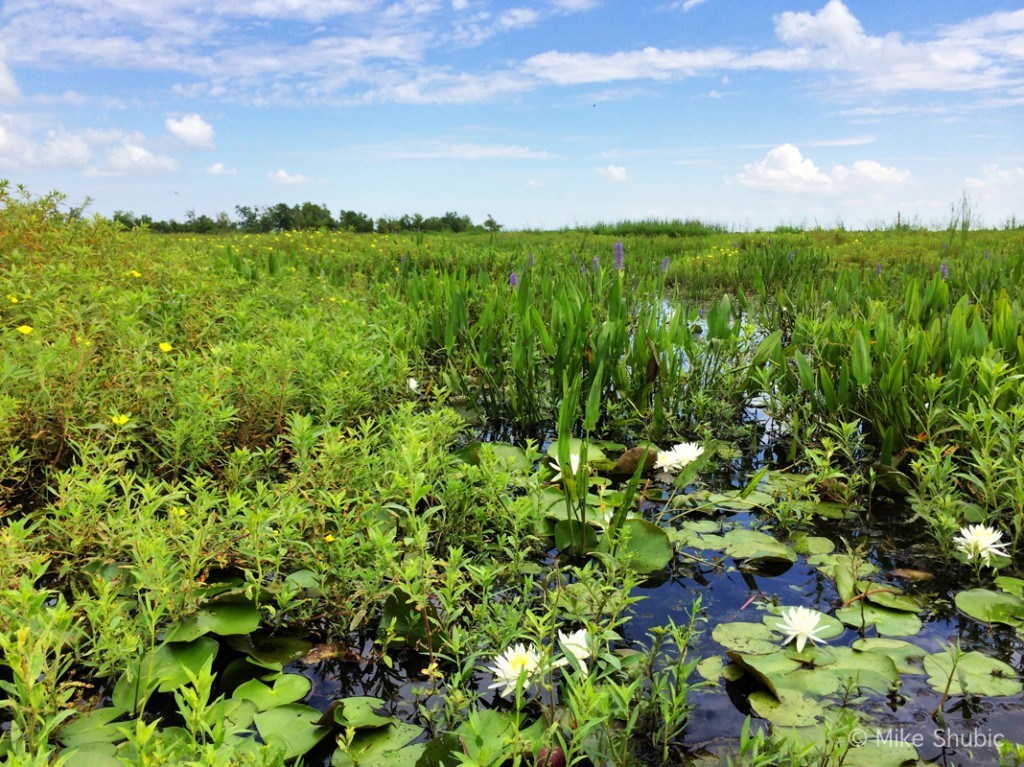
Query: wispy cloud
[[462, 151], [219, 169], [615, 173]]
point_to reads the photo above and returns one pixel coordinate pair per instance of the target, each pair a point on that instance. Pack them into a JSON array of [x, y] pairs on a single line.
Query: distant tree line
[[289, 218]]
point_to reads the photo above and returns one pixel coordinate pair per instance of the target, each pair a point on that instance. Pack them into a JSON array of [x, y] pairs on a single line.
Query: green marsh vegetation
[[412, 499]]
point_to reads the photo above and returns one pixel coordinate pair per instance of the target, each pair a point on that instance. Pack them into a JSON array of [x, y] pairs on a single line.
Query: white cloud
[[460, 5], [995, 177], [518, 18], [219, 169], [132, 158], [284, 177], [8, 88], [785, 169], [614, 173], [191, 129]]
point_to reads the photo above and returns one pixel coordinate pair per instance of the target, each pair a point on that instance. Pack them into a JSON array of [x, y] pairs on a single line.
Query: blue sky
[[542, 113]]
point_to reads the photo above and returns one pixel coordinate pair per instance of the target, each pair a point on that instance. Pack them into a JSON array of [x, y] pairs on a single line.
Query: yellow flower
[[119, 420], [329, 538], [165, 347], [12, 298], [25, 329]]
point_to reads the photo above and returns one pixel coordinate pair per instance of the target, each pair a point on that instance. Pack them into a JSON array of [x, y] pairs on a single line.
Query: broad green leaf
[[291, 729], [287, 688], [972, 672]]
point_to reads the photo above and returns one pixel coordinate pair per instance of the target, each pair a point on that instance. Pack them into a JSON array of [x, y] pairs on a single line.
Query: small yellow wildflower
[[12, 298], [25, 329], [120, 419], [165, 347], [180, 511], [133, 273], [329, 538]]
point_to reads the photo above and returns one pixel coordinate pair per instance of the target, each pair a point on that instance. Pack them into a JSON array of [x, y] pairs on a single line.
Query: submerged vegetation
[[587, 497]]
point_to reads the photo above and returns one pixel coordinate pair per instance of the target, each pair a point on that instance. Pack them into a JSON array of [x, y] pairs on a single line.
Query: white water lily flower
[[576, 644], [517, 660], [801, 624], [981, 542], [574, 466], [675, 459]]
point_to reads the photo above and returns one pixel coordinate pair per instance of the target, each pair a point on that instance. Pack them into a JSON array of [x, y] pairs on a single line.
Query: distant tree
[[356, 222], [125, 218], [491, 225], [312, 216]]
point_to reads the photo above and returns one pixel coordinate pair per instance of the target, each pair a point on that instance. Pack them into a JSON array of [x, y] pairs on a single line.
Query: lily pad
[[751, 638], [710, 668], [766, 669], [383, 747], [646, 545], [94, 727], [287, 688], [735, 501], [863, 614], [506, 457], [907, 656], [1010, 585], [790, 708], [291, 729], [222, 618], [973, 672], [358, 712], [166, 669], [991, 606], [745, 544], [572, 537], [811, 545], [270, 649]]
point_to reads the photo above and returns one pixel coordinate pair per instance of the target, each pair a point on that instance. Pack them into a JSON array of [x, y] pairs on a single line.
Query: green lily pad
[[291, 729], [94, 727], [358, 712], [287, 688], [974, 673], [506, 457], [166, 669], [1010, 585], [745, 544], [862, 614], [789, 708], [92, 754], [991, 606], [889, 597], [751, 638], [734, 500], [646, 545], [868, 671], [766, 669], [908, 657], [811, 545], [572, 537], [220, 618], [710, 668], [383, 747], [270, 649]]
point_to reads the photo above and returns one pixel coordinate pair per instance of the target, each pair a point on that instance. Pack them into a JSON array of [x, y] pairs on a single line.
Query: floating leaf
[[790, 708], [750, 638], [811, 545], [166, 669], [508, 458], [1010, 585], [862, 614], [991, 606], [384, 747], [755, 545], [710, 668], [287, 688], [94, 727], [358, 712], [908, 657], [220, 618], [571, 536], [765, 668], [291, 729], [646, 545], [978, 673], [270, 648]]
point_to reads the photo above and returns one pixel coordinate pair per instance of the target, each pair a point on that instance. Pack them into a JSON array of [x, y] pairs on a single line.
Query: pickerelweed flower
[[678, 457], [518, 661], [945, 270], [980, 542], [597, 263], [801, 624], [878, 270], [664, 264], [620, 257], [513, 279]]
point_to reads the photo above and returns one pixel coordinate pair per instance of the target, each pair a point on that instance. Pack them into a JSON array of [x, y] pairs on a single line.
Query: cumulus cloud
[[613, 173], [191, 129], [785, 169], [284, 177], [132, 158], [219, 169], [517, 18]]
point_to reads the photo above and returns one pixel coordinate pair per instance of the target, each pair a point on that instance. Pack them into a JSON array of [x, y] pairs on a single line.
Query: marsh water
[[969, 728]]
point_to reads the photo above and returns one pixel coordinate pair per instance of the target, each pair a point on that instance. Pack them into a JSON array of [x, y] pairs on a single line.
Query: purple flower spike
[[533, 261], [620, 257], [597, 263], [945, 270], [790, 256], [664, 264], [513, 279], [878, 270]]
